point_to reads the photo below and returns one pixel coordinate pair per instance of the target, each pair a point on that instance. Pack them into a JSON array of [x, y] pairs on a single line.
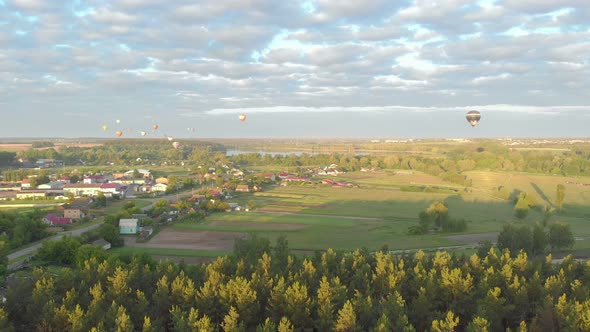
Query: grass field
[[378, 213]]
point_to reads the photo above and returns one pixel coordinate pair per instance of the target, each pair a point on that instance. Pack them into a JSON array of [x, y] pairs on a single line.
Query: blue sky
[[314, 68]]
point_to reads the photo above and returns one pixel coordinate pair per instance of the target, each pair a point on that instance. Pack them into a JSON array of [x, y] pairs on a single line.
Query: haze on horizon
[[322, 68]]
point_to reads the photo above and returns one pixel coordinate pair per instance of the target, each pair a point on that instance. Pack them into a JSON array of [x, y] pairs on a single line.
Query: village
[[76, 198]]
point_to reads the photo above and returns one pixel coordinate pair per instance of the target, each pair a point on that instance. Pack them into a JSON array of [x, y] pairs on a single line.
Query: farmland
[[378, 212]]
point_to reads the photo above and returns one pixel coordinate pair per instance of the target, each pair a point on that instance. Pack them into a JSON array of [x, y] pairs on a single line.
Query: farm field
[[378, 212]]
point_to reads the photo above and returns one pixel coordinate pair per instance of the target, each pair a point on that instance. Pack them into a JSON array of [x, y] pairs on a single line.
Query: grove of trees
[[263, 288]]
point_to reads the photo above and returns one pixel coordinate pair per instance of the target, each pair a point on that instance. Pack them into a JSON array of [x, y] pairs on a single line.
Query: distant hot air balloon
[[129, 129], [155, 126], [118, 121], [105, 127], [119, 133], [473, 117], [242, 117], [170, 138], [143, 133], [176, 145]]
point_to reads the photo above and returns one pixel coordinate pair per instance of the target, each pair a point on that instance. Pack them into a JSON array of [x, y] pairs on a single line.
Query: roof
[[64, 178], [37, 191], [128, 222], [82, 185], [93, 177], [55, 219], [242, 186], [110, 185], [7, 194]]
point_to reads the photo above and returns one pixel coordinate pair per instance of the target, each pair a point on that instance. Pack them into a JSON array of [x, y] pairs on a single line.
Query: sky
[[313, 68]]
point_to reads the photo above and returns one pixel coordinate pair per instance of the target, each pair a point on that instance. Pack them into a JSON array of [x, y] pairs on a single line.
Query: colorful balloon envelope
[[155, 126], [118, 121], [170, 138], [176, 145], [105, 128], [473, 117], [242, 117], [143, 133], [119, 133]]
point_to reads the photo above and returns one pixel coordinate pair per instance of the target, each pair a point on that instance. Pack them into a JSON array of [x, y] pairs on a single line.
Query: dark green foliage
[[111, 234], [515, 238], [63, 251], [560, 236]]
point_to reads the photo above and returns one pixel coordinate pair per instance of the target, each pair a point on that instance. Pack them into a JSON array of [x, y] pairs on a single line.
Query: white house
[[160, 187]]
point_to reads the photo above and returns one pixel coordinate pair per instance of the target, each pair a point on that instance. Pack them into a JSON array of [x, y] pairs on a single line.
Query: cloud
[[397, 108]]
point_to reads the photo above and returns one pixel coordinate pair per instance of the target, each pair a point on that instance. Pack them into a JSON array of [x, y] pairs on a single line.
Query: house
[[82, 189], [74, 213], [25, 183], [112, 188], [129, 226], [53, 219], [102, 243], [146, 174], [51, 185], [283, 175], [25, 194], [269, 176], [243, 188], [159, 187], [64, 179], [162, 180]]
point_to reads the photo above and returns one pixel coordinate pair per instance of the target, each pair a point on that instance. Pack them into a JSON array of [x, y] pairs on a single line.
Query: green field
[[378, 213]]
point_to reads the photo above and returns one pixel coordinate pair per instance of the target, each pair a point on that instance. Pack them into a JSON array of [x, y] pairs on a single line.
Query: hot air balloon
[[105, 127], [119, 133], [155, 126], [143, 133], [129, 129], [242, 117], [118, 121], [176, 145], [170, 138], [473, 117]]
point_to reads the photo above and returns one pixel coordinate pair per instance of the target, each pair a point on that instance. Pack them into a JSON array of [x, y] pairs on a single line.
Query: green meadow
[[377, 212]]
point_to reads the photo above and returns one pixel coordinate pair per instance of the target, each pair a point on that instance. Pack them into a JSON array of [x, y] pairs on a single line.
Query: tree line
[[265, 288]]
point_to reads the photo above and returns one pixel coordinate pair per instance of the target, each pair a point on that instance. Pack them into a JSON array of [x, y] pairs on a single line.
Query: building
[[82, 189], [51, 185], [269, 176], [25, 183], [112, 188], [129, 226], [7, 195], [242, 188], [162, 180], [47, 163], [64, 179], [159, 187], [74, 213], [146, 174], [26, 194], [90, 179], [53, 219]]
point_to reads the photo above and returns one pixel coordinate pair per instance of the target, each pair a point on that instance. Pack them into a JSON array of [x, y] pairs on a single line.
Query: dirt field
[[187, 239], [259, 225], [14, 147]]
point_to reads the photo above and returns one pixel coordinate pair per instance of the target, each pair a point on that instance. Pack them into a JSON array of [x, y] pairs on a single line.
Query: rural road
[[34, 248], [169, 198], [30, 250]]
